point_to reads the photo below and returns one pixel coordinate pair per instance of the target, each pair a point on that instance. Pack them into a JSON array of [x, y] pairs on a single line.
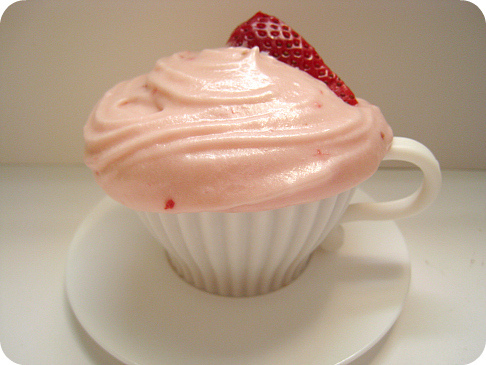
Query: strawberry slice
[[273, 36]]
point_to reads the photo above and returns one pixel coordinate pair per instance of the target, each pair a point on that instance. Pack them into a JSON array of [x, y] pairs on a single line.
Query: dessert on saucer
[[240, 159]]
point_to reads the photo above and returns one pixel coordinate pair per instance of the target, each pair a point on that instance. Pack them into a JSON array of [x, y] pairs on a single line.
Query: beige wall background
[[422, 62]]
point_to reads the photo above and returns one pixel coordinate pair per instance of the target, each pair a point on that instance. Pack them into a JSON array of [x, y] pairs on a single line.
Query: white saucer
[[126, 296]]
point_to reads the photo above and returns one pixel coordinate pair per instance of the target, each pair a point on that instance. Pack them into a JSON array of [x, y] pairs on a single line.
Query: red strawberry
[[279, 40]]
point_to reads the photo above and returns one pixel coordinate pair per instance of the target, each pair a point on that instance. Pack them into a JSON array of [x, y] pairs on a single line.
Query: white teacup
[[251, 253]]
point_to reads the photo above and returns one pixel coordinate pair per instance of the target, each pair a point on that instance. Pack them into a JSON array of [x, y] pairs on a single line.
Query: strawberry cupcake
[[238, 159]]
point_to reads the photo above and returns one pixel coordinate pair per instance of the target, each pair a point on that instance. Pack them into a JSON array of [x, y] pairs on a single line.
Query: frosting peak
[[229, 129]]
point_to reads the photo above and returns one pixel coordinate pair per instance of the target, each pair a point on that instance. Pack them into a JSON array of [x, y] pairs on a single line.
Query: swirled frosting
[[229, 129]]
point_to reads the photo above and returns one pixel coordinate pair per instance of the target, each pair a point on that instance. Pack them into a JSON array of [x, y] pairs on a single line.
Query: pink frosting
[[229, 129]]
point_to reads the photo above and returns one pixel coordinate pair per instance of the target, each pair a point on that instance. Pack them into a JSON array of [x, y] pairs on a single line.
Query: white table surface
[[443, 320]]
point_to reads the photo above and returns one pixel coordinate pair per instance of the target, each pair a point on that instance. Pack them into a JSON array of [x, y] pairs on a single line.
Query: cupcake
[[238, 159]]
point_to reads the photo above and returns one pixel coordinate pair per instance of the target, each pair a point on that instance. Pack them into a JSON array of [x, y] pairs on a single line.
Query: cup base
[[226, 286], [246, 253]]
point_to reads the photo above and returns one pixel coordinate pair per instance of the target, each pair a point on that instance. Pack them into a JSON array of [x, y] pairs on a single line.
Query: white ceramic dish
[[128, 298]]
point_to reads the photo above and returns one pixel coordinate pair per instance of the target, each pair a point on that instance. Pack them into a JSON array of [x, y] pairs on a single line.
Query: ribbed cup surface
[[245, 254]]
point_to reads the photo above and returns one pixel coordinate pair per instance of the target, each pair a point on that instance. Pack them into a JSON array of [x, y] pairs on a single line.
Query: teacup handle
[[409, 150]]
